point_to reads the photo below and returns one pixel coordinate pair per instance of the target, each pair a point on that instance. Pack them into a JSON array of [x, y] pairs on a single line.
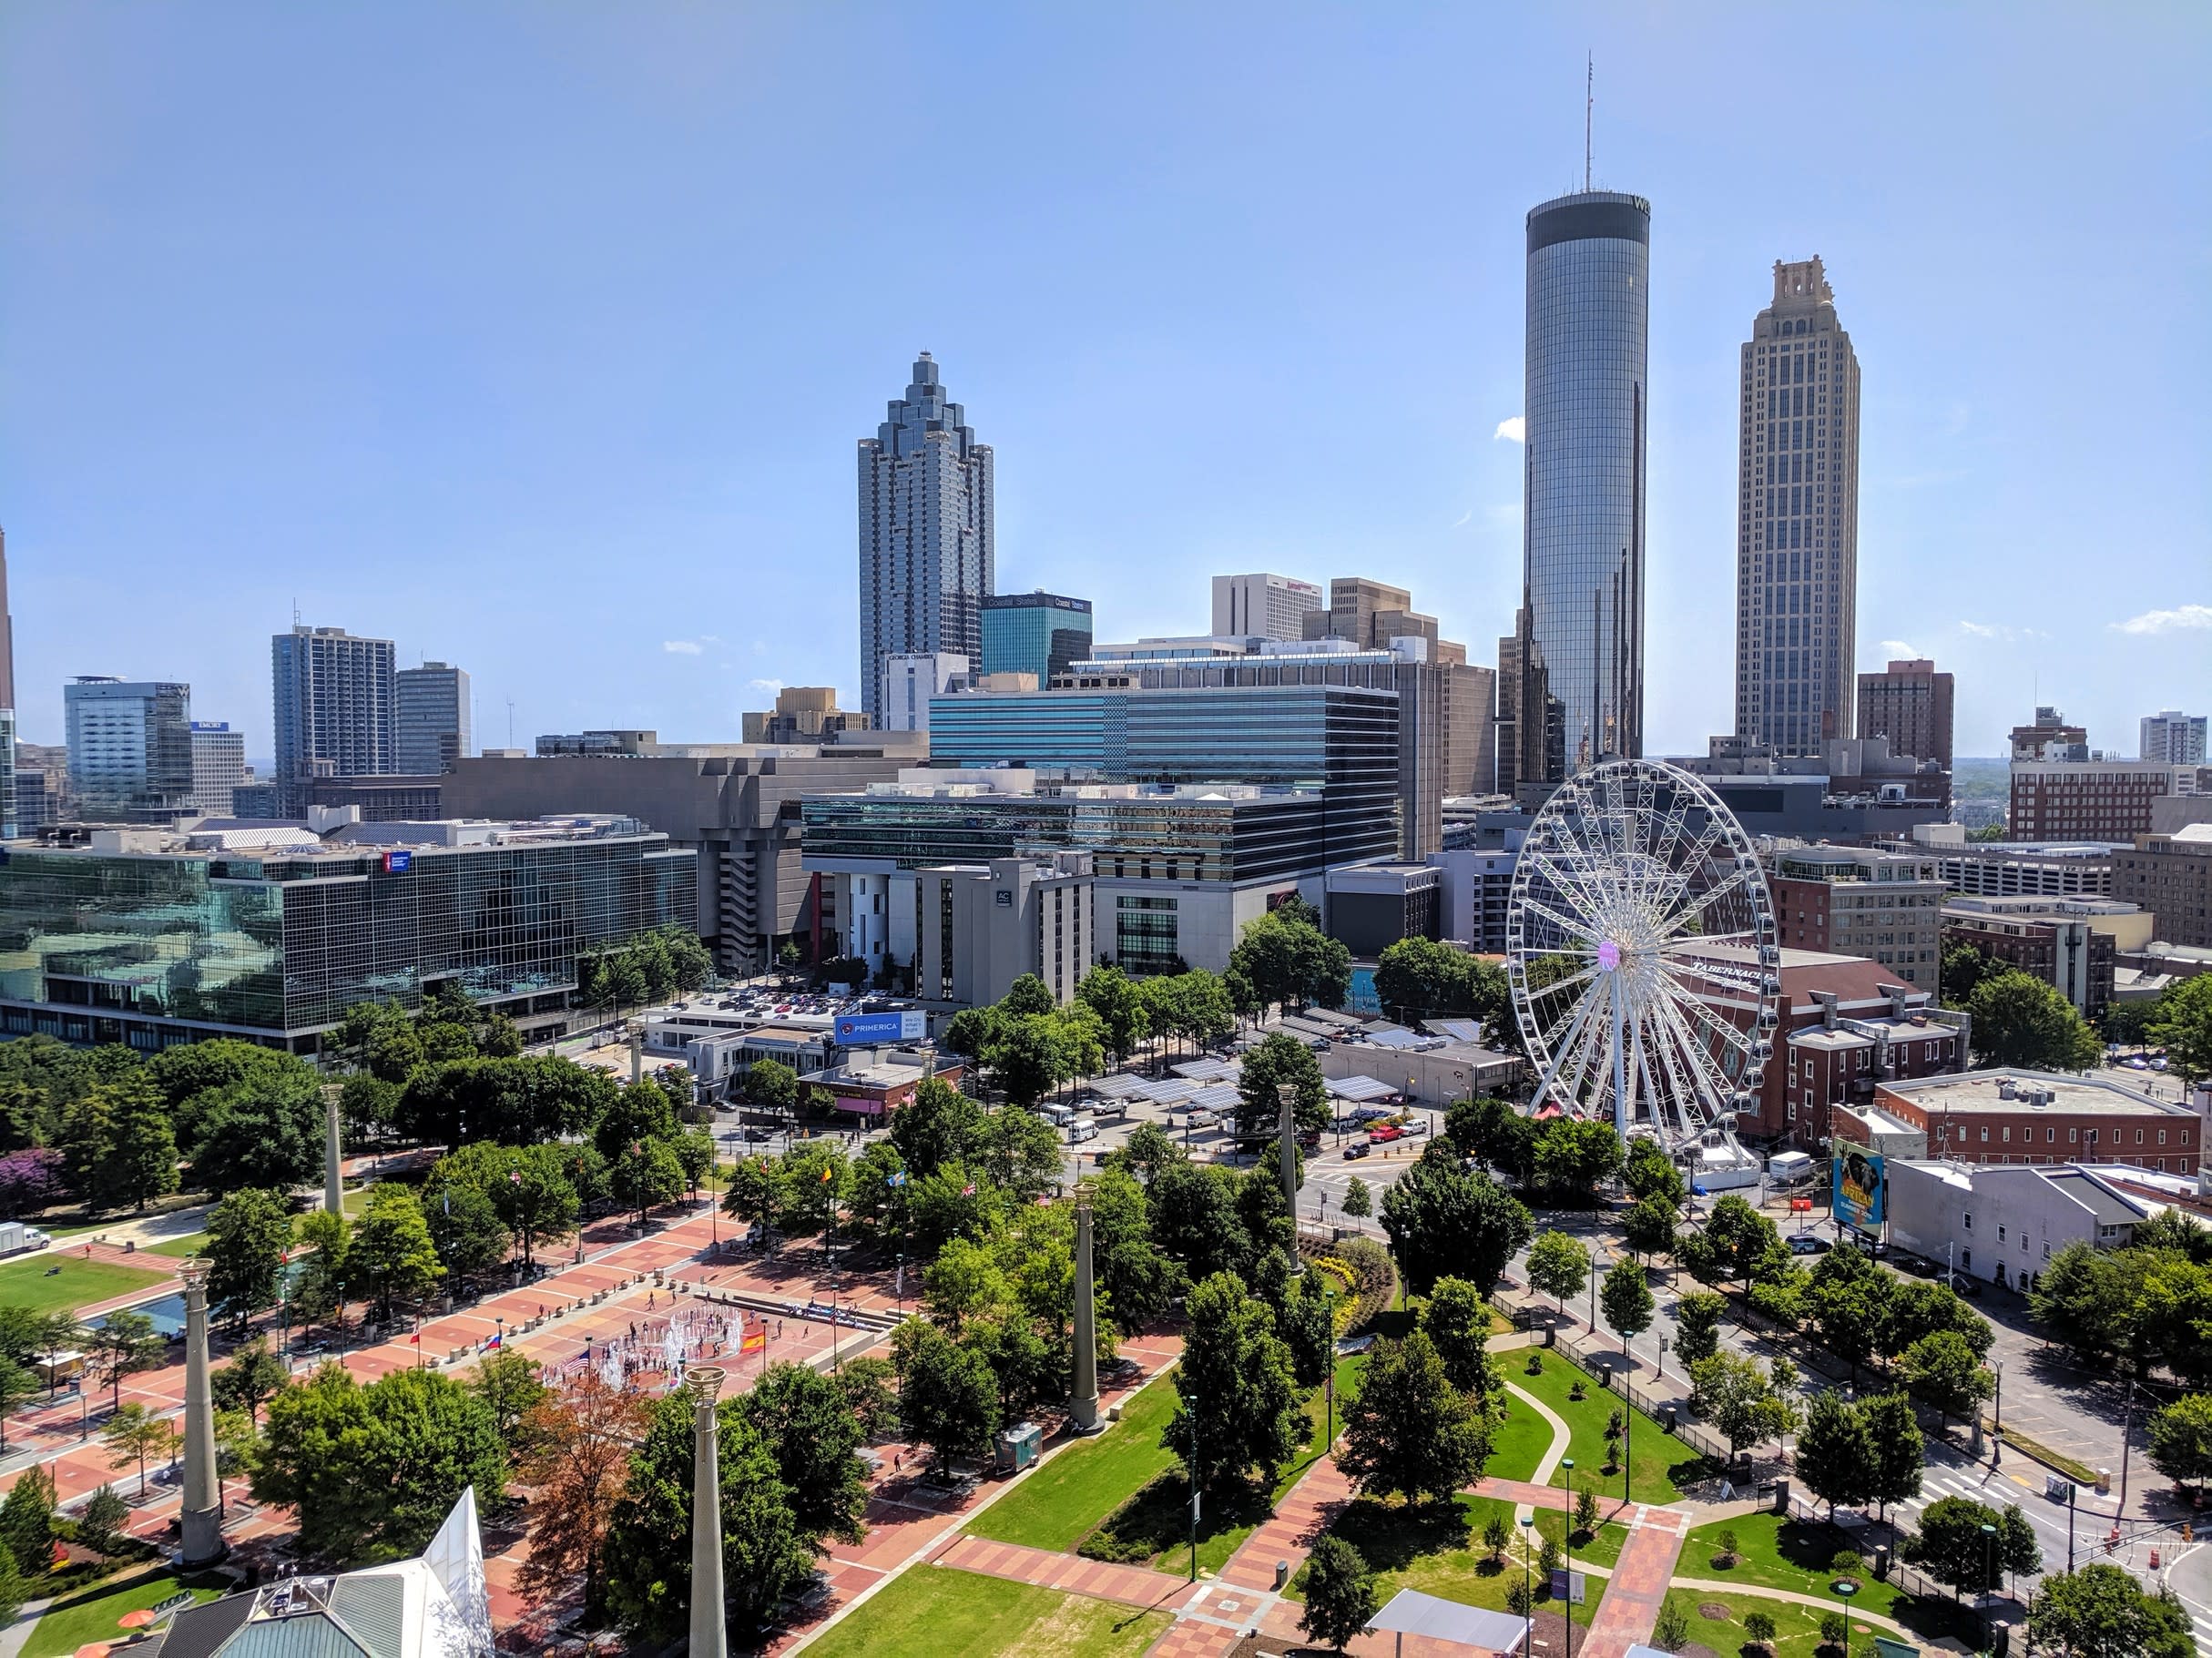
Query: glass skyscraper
[[131, 748], [1034, 632], [925, 532], [1582, 621], [335, 699]]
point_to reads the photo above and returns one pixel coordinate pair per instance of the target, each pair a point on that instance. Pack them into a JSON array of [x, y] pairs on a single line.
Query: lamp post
[[1843, 1588], [1662, 1356], [1989, 1571], [1528, 1590], [1996, 1432], [1568, 1531], [1190, 1410]]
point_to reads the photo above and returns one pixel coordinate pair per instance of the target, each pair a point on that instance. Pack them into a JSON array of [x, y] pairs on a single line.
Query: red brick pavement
[[1133, 1585], [1290, 1532], [1191, 1638], [1637, 1588]]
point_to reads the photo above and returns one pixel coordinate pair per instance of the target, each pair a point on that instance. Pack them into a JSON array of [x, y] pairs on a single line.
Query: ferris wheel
[[1640, 949]]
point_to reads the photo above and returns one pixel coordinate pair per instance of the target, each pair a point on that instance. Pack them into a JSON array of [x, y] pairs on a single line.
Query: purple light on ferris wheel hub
[[1608, 956]]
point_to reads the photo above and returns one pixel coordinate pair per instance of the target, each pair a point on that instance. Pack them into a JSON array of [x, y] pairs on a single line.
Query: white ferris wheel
[[1640, 946]]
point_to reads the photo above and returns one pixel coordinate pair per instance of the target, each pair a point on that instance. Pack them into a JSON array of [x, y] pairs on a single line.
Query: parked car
[[756, 1135], [1385, 1132], [1807, 1243], [1415, 1125], [1357, 1148], [1917, 1266], [1969, 1287]]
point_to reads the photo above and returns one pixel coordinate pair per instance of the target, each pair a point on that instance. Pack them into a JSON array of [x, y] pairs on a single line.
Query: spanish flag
[[754, 1338], [825, 1174]]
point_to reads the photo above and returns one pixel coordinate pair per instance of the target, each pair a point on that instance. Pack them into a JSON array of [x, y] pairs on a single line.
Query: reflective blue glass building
[[1034, 632], [1582, 630]]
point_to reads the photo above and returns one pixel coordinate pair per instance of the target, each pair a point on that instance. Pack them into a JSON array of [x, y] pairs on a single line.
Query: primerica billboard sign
[[853, 1029]]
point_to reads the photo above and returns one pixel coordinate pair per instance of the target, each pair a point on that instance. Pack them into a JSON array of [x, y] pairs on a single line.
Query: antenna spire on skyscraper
[[1589, 104]]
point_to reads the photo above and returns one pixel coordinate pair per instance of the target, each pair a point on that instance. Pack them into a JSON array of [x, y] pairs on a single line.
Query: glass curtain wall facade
[[1034, 632], [159, 949], [1582, 608], [1341, 740], [131, 748], [926, 543], [433, 719]]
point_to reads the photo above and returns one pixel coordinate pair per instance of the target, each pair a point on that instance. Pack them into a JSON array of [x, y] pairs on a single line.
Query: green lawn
[[1519, 1442], [1057, 1505], [90, 1614], [191, 1244], [934, 1611], [1778, 1553], [25, 1282], [1656, 1459], [1797, 1628]]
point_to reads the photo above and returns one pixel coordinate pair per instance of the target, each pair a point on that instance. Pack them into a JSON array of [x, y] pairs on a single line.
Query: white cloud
[[2167, 621], [682, 647], [1464, 518], [1980, 630], [769, 687], [1898, 648], [1515, 431], [2000, 630]]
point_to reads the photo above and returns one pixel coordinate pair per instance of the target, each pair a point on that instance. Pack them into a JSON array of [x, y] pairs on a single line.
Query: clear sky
[[537, 337]]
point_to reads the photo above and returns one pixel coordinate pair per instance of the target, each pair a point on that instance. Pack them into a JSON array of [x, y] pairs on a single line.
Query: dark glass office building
[[1034, 632], [1339, 740], [1582, 628], [153, 939]]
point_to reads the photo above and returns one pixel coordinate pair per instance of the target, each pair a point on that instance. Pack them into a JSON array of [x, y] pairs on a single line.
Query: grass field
[[1797, 1628], [1776, 1553], [191, 1244], [1656, 1459], [90, 1614], [26, 1282], [932, 1612], [1055, 1507]]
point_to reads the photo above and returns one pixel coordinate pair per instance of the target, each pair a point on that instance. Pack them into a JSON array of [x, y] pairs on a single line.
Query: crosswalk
[[1935, 1484]]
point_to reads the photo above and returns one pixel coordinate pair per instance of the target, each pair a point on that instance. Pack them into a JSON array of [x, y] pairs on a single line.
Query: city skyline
[[375, 442]]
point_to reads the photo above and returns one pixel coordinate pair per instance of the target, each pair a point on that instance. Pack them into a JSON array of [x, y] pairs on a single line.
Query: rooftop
[[334, 833], [2006, 1090]]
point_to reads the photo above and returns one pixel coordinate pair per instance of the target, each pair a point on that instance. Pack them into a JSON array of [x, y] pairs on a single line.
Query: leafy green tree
[[100, 1521], [1760, 1629], [1951, 1547], [373, 1471], [772, 1086], [121, 1343], [2181, 1440], [1456, 1319], [254, 1375], [1848, 1299], [2182, 1025], [1340, 1596], [510, 1384], [1441, 1219], [938, 1126], [1235, 1388], [1899, 1451], [870, 1386], [1286, 958], [1308, 1331], [1418, 978], [264, 1131], [1120, 1007], [464, 1230], [1918, 1308], [516, 1101], [1835, 1455], [1028, 1055], [1740, 1400], [1148, 1149], [1962, 970], [1558, 1266], [1670, 1629], [2085, 1300], [645, 1173], [1941, 1371], [2019, 1020], [2102, 1612], [1358, 1200], [393, 1258], [1496, 1135], [1697, 1324], [18, 1386], [135, 1432], [1195, 1219], [1277, 1060], [318, 1290], [1410, 1432], [1577, 1155], [807, 1421], [248, 1235], [948, 1397], [1648, 1226], [26, 1519], [1648, 1172], [1627, 1301], [144, 1162], [1018, 1150]]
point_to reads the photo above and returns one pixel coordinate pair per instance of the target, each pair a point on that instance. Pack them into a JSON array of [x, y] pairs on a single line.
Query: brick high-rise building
[[2171, 877], [1886, 907], [1911, 704], [1797, 520], [2091, 799]]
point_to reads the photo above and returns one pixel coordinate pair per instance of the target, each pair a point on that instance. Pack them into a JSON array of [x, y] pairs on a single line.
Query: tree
[[135, 1432], [1285, 958], [1952, 1548], [1031, 1055], [2181, 1440], [100, 1522], [1627, 1302], [374, 1472], [647, 1551], [1732, 1393], [512, 1388], [1410, 1432], [645, 1173], [948, 1397], [1018, 1150], [1670, 1629], [1234, 1388], [1277, 1060], [809, 1427], [18, 1387], [1120, 1007], [1962, 970], [464, 1229], [578, 1460], [1340, 1596], [264, 1130], [248, 1235], [1647, 1172], [1850, 1299], [254, 1375], [1418, 978], [2182, 1025], [318, 1290], [869, 1384], [143, 1157], [772, 1086], [26, 1519], [391, 1256], [1308, 1331], [1697, 1324], [2085, 1300], [1195, 1219], [1359, 1199], [1758, 1629], [1648, 1226], [121, 1343], [1836, 1453], [1496, 1135], [31, 1178], [1941, 1371], [1899, 1451], [1441, 1219], [939, 1124], [1576, 1155], [1559, 1266], [1457, 1320], [2019, 1020], [2102, 1612]]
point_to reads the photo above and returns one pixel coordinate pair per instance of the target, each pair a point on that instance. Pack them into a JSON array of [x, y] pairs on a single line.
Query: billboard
[[860, 1029], [397, 863], [1860, 1188]]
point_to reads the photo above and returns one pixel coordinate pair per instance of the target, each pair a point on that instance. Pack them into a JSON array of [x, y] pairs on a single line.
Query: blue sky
[[538, 337]]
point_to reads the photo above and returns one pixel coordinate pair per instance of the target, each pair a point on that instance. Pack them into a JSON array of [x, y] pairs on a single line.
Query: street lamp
[[1662, 1356], [1989, 1571], [1996, 1430], [1569, 1608], [1843, 1589], [1190, 1410], [1528, 1591]]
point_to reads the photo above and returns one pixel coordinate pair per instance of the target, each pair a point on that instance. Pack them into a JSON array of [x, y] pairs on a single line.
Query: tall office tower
[[1033, 633], [10, 816], [434, 718], [1797, 519], [909, 682], [219, 766], [1582, 536], [2174, 738], [1263, 607], [925, 532], [130, 746], [1909, 703], [336, 707], [7, 634]]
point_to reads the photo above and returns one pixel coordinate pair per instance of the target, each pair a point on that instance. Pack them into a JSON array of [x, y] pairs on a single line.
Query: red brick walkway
[[1637, 1588], [1193, 1639], [1290, 1532], [1134, 1585]]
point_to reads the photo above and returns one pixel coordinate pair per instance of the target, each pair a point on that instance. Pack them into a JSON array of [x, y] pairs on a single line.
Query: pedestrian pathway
[[1072, 1573], [1707, 1585], [1637, 1587], [1561, 1438]]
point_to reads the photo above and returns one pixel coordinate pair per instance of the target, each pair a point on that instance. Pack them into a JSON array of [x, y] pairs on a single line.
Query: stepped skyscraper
[[925, 534]]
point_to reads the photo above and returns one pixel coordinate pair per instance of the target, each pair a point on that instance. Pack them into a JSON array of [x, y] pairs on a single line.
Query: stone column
[[1084, 1407], [334, 1178], [1286, 1134], [710, 1621], [203, 1518]]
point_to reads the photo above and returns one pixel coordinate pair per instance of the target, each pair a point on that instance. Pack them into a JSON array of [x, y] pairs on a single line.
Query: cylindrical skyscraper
[[1582, 537]]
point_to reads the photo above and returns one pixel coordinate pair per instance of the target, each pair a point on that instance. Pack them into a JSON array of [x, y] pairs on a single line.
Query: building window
[[1967, 1220]]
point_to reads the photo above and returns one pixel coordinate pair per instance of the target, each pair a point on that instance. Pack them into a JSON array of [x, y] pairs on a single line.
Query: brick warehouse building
[[2032, 1116]]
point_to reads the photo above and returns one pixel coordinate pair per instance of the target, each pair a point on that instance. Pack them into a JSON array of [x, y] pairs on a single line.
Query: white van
[[1059, 1117], [1082, 1129]]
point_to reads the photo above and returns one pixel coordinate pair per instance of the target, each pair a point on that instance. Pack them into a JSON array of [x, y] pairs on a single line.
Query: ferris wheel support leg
[[1620, 1074]]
